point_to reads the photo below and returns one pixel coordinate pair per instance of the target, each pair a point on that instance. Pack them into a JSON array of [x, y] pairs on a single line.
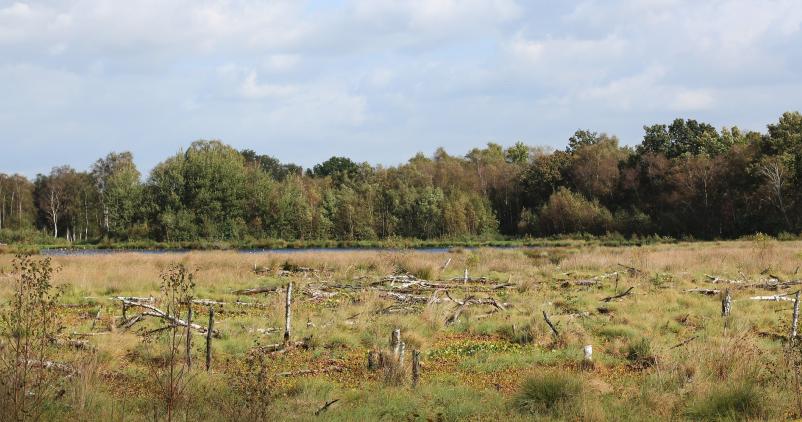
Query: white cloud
[[411, 73], [252, 89]]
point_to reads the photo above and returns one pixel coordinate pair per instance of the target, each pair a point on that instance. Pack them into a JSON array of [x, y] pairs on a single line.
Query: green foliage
[[684, 180], [28, 325], [569, 212]]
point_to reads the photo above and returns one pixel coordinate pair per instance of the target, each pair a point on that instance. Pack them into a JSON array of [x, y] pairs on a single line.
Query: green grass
[[731, 403], [549, 394]]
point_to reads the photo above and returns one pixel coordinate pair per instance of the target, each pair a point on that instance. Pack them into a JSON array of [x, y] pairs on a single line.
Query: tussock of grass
[[548, 394], [732, 403]]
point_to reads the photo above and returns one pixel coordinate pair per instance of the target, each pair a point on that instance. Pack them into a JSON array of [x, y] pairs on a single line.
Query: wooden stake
[[401, 348], [415, 368], [209, 339], [189, 336], [465, 279], [395, 341], [795, 318], [288, 314], [726, 303], [587, 359]]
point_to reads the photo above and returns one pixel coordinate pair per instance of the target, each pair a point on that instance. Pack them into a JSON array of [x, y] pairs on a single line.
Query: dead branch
[[325, 407], [548, 322], [618, 296], [684, 342]]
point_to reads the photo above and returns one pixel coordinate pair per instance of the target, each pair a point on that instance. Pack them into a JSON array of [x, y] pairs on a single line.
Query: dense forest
[[685, 179]]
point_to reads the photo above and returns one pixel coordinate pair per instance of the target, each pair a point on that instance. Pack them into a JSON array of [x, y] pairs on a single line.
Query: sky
[[378, 80]]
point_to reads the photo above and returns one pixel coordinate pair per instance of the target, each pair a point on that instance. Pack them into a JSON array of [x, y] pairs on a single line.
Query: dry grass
[[483, 356]]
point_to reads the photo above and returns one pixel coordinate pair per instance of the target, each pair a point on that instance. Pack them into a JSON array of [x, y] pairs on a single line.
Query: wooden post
[[465, 278], [189, 335], [415, 368], [401, 348], [125, 310], [795, 317], [395, 342], [726, 303], [209, 339], [97, 317], [288, 314]]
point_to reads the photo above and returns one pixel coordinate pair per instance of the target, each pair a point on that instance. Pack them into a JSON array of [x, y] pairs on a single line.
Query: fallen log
[[618, 296], [775, 298], [255, 291], [631, 270], [717, 279], [471, 300], [47, 364], [332, 368], [708, 292], [158, 313]]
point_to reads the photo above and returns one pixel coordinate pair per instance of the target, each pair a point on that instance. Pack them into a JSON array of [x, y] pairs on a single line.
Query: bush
[[739, 402], [569, 212], [548, 394]]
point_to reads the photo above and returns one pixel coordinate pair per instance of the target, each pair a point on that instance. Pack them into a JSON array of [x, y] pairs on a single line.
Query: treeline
[[684, 179]]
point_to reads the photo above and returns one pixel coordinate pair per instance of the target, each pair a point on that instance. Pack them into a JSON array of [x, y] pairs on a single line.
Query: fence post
[[415, 368], [726, 303], [288, 314], [795, 318], [189, 335], [209, 339]]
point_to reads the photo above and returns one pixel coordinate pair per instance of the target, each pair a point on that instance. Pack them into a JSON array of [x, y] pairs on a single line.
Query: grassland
[[659, 353]]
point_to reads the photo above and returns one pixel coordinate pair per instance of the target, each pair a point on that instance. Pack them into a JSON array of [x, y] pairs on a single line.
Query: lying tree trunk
[[332, 368], [255, 291], [156, 312], [775, 298], [709, 292]]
